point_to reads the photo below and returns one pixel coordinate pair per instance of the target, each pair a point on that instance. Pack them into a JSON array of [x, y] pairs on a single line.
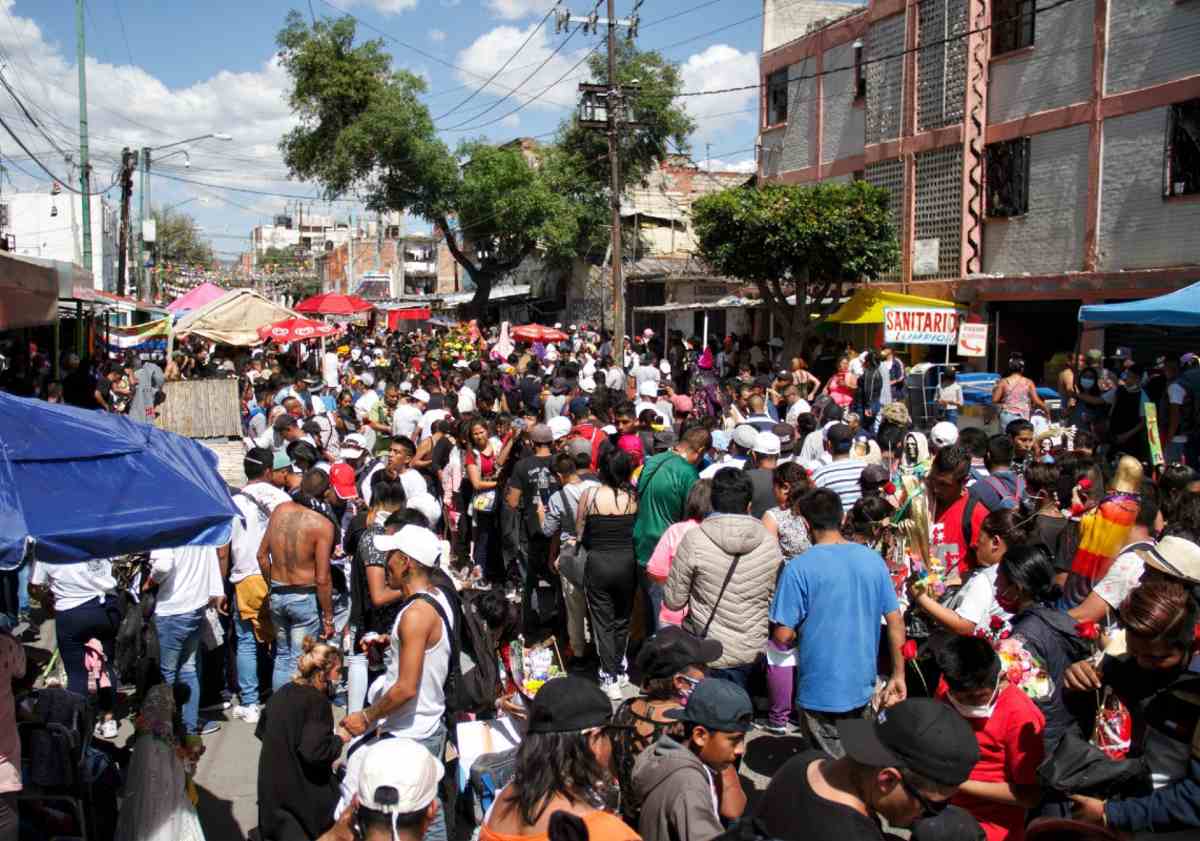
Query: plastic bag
[[1114, 726]]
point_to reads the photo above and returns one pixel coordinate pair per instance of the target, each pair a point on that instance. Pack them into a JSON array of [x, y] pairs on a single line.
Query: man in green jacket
[[663, 488]]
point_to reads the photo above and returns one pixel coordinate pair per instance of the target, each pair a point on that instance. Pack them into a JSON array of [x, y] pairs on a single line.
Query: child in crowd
[[1008, 727]]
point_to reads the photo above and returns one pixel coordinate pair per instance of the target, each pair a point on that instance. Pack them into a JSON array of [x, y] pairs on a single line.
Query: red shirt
[[949, 524], [1010, 751]]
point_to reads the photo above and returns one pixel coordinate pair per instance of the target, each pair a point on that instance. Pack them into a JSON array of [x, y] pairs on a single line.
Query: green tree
[[816, 242], [178, 239], [282, 257]]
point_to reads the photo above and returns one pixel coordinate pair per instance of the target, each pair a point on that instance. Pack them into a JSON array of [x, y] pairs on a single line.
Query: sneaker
[[207, 728], [217, 707], [774, 729], [249, 714], [106, 730]]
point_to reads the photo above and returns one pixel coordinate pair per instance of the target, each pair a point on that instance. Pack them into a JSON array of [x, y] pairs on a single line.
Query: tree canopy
[[816, 241], [178, 239], [364, 131]]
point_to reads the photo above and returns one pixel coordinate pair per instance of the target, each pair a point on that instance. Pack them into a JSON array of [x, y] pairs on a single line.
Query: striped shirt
[[841, 477]]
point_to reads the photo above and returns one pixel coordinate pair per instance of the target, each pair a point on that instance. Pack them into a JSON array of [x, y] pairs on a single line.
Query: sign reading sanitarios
[[920, 326]]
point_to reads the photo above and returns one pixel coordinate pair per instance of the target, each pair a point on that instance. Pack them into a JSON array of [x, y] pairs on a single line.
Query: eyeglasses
[[929, 807]]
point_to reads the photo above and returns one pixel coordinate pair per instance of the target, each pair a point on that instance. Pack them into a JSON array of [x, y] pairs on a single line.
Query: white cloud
[[437, 35], [511, 121], [518, 9], [720, 66], [387, 7], [717, 165], [490, 50]]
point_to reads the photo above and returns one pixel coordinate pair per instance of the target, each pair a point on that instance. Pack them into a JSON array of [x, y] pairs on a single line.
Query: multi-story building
[[1039, 155], [308, 233], [50, 225], [379, 267]]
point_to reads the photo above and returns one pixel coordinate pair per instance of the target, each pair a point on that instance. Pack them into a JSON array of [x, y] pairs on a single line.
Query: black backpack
[[472, 691]]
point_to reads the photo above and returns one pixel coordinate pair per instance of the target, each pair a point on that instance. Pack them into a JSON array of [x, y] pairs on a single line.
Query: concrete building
[[311, 233], [51, 226], [1035, 152], [383, 267]]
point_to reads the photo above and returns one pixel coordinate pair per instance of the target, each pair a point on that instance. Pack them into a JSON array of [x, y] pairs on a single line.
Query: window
[[1181, 163], [860, 78], [777, 97], [1008, 178], [1012, 25]]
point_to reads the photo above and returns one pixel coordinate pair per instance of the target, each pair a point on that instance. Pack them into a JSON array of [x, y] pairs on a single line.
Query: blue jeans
[[1006, 418], [295, 616], [23, 573], [952, 416], [179, 643], [652, 592], [436, 744], [249, 650]]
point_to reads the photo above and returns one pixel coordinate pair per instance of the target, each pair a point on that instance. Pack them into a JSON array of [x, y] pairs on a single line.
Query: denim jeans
[[952, 416], [23, 573], [179, 644], [96, 618], [295, 616], [652, 599], [249, 650], [435, 743]]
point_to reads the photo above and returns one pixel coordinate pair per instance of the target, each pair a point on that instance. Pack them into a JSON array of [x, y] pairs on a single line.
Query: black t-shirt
[[1048, 531], [763, 482], [105, 387], [533, 476], [441, 453], [79, 389], [791, 811]]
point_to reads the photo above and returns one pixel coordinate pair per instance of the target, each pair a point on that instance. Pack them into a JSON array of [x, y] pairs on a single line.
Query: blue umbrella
[[78, 484]]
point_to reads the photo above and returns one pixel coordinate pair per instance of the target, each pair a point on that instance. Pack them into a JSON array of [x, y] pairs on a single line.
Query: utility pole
[[610, 100], [126, 189], [84, 167], [145, 278]]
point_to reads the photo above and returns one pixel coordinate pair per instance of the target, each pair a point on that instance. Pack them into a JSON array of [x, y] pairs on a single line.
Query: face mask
[[1087, 382], [984, 711], [1006, 604]]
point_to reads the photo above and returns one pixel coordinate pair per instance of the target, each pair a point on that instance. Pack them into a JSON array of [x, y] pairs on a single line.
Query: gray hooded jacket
[[676, 793]]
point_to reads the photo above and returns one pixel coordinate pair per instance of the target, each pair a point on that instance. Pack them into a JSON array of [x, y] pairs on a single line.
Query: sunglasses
[[929, 807]]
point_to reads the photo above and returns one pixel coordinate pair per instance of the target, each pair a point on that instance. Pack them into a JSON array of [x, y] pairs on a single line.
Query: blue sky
[[177, 69]]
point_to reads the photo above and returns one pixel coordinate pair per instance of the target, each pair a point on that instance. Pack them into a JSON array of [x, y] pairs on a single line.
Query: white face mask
[[984, 711]]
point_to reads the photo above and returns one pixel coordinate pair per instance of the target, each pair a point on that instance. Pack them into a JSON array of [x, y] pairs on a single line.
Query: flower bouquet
[[1019, 666]]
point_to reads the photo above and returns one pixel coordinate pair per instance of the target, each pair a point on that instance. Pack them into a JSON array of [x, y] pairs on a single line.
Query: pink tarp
[[203, 294]]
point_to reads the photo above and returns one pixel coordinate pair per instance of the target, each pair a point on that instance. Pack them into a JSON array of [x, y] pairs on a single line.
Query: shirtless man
[[294, 558]]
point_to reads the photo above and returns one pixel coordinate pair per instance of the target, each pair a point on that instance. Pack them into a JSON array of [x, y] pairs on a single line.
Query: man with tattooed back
[[294, 558]]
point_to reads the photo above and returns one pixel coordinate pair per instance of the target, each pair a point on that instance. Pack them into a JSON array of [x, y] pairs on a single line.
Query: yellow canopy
[[866, 305]]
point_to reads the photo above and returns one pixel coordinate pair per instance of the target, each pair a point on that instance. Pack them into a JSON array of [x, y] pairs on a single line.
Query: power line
[[62, 181], [124, 36]]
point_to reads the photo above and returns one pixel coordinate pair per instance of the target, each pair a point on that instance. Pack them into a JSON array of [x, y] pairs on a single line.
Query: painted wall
[[1151, 42], [842, 131], [60, 237], [786, 20], [1058, 70]]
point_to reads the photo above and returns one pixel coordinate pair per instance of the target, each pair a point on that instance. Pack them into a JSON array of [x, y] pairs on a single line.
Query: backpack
[[474, 690], [1010, 499]]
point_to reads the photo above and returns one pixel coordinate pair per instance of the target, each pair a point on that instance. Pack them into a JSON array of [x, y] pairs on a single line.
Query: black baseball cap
[[918, 734], [579, 407], [672, 650], [786, 433], [568, 704], [952, 824], [874, 475], [717, 705], [840, 438]]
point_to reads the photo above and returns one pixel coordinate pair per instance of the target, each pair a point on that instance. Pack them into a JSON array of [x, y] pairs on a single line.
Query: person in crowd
[[410, 700], [562, 766], [394, 785], [830, 603], [902, 765], [975, 604], [739, 446], [189, 581], [663, 487], [1125, 573], [297, 788], [396, 467], [1015, 395], [943, 434], [842, 385], [605, 522], [843, 470], [1127, 419], [294, 560], [528, 490], [724, 573], [950, 397], [954, 534], [682, 784], [12, 667], [558, 524], [870, 390], [1023, 437], [1000, 487], [765, 458], [697, 508], [1003, 785], [484, 460], [1025, 588], [975, 441], [867, 522], [790, 483], [1040, 506]]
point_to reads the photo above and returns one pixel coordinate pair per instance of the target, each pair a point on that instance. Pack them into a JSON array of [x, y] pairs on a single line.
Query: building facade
[[51, 226], [379, 268], [1038, 155]]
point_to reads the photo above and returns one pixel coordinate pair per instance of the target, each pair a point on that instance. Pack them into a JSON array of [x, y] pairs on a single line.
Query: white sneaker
[[622, 680], [249, 714]]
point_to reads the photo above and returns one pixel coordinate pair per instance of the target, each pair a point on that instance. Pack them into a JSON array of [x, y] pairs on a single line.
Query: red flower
[[909, 650], [1014, 675], [1087, 630], [997, 623], [1076, 509], [1085, 484], [889, 488], [1005, 634]]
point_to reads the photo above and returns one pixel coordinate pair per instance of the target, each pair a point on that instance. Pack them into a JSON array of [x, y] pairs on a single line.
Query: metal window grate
[[777, 97], [885, 79], [1181, 158], [890, 176], [939, 207], [941, 67], [1013, 24], [1008, 178]]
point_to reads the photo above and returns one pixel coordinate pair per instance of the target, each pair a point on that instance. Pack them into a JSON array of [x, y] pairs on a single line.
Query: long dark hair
[[1031, 568], [616, 471], [554, 763]]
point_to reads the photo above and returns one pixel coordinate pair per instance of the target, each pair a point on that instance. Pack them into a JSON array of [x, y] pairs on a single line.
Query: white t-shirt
[[187, 576], [405, 418], [1176, 394], [1124, 574], [329, 369], [247, 536], [466, 400], [797, 409], [429, 419], [727, 461], [976, 600], [411, 480], [75, 584], [952, 394]]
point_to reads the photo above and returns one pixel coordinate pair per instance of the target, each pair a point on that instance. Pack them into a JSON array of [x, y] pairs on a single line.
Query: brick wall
[[797, 137], [1151, 42], [1057, 72], [1050, 237], [842, 131]]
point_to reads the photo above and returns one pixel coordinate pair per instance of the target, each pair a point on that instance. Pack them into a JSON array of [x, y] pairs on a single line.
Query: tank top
[[421, 716], [1016, 400]]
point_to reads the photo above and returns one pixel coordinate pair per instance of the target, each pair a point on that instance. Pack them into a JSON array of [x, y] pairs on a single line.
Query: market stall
[[1180, 308], [77, 485], [196, 298], [233, 319]]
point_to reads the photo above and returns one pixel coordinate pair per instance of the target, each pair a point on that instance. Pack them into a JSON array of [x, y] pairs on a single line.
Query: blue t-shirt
[[834, 597]]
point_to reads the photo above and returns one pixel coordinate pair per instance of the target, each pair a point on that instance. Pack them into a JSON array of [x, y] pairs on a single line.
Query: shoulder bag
[[721, 593], [572, 555]]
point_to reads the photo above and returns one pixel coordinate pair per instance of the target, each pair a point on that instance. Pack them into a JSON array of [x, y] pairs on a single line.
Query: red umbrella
[[295, 330], [537, 333], [331, 303]]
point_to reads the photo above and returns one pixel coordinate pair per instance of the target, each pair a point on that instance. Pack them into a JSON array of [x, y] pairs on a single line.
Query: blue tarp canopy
[[1180, 308], [78, 484]]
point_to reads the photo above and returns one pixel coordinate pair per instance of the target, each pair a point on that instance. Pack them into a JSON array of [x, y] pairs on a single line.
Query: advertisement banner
[[920, 326], [972, 339]]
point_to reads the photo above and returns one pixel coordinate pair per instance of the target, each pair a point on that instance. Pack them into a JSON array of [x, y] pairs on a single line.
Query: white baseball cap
[[648, 389], [421, 395], [398, 776], [745, 436], [767, 444], [353, 446], [944, 434], [560, 427], [427, 505], [418, 543], [405, 387]]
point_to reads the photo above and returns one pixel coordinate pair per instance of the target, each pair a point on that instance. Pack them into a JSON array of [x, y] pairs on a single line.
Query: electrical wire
[[64, 183]]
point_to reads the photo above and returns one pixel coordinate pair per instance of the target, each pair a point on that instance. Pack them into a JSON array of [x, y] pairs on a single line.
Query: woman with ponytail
[[297, 790], [1025, 588]]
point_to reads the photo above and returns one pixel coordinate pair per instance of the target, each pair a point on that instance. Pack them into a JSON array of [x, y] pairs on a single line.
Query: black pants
[[611, 582], [94, 619]]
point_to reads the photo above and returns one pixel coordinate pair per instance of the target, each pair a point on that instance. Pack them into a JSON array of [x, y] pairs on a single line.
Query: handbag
[[484, 501], [572, 554]]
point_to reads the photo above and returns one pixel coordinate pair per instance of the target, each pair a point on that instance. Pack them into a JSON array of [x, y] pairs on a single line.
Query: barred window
[[1181, 162], [1008, 178], [1012, 25], [777, 97]]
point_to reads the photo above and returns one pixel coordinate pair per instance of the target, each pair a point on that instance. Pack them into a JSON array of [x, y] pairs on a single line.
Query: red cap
[[341, 476]]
